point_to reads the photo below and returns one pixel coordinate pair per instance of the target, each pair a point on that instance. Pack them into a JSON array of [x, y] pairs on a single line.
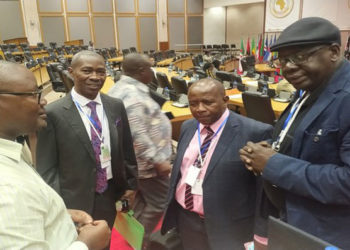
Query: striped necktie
[[101, 175], [204, 149]]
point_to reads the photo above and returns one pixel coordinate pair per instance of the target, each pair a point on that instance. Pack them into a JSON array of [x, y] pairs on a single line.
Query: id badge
[[197, 188], [105, 156], [192, 175]]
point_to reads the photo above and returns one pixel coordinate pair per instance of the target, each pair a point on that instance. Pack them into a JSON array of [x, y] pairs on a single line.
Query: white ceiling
[[220, 3]]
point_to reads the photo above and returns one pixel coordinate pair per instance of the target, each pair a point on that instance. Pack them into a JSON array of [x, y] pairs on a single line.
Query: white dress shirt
[[32, 214], [83, 101]]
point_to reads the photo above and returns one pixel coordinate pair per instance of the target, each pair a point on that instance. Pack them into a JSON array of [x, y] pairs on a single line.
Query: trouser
[[150, 202]]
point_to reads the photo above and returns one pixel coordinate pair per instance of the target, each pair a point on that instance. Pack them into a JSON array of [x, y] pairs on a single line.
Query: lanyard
[[200, 152], [91, 121], [290, 119]]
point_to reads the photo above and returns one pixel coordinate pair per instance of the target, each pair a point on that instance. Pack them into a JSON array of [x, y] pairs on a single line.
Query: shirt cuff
[[78, 245]]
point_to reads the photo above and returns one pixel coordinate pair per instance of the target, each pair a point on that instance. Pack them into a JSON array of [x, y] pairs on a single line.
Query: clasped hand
[[256, 155]]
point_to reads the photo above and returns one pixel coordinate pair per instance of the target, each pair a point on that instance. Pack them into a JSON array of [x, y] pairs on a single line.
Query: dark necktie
[[101, 176], [204, 149]]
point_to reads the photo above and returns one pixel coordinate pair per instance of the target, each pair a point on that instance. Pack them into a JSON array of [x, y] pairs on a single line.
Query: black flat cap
[[308, 31]]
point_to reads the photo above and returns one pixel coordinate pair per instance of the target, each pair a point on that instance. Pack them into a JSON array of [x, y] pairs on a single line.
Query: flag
[[253, 47], [242, 47], [267, 53], [248, 47], [258, 49], [261, 49], [275, 54]]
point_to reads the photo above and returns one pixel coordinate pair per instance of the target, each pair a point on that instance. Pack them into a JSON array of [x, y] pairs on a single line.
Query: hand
[[130, 196], [163, 168], [96, 235], [256, 155], [79, 217]]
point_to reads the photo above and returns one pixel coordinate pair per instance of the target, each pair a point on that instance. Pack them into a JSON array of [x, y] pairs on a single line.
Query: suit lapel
[[113, 133], [72, 117], [227, 136]]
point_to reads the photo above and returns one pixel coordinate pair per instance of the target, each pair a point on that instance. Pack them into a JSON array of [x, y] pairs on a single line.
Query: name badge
[[197, 187], [105, 156], [192, 175]]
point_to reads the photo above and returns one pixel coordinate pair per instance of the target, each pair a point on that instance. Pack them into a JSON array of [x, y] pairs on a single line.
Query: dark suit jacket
[[229, 189], [316, 176], [65, 157]]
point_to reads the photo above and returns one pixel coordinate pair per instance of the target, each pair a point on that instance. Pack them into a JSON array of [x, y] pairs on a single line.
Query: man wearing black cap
[[307, 167]]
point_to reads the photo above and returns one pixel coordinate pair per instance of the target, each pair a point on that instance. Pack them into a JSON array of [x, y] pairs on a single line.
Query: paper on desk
[[236, 96]]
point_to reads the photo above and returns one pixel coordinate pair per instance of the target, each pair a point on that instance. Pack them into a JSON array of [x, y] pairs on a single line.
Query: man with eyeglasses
[[32, 215], [307, 166], [85, 153]]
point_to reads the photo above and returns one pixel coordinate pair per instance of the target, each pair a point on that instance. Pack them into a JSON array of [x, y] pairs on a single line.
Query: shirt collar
[[82, 100], [215, 126], [11, 149], [141, 86]]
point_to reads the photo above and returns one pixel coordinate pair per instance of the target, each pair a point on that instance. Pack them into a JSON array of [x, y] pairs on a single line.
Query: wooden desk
[[184, 63], [116, 59], [265, 68], [77, 42], [17, 41], [230, 65], [165, 62]]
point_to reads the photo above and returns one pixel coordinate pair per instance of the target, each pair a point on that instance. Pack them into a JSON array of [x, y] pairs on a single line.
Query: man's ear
[[226, 98], [335, 52], [70, 70]]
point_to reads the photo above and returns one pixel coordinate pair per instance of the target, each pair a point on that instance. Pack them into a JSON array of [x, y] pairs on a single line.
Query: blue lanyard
[[93, 122], [207, 144], [291, 113]]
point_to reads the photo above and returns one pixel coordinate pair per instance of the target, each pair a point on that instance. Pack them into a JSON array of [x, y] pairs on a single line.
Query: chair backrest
[[41, 46], [224, 76], [56, 81], [258, 107], [67, 80], [133, 50], [4, 47], [113, 52], [9, 57], [163, 81], [13, 47], [179, 85], [125, 52], [53, 45]]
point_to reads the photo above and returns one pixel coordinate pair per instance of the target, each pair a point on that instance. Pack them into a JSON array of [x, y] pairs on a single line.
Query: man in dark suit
[[85, 153], [309, 160], [212, 196]]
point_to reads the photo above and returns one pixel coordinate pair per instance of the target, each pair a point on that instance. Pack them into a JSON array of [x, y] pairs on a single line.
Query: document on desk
[[236, 96]]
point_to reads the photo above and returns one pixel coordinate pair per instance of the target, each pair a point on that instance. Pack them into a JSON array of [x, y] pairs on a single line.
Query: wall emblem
[[281, 8]]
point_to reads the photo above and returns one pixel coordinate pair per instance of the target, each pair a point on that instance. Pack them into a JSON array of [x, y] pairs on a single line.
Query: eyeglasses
[[298, 58], [33, 93]]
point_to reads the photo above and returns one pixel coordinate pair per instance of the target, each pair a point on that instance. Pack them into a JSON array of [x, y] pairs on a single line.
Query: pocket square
[[117, 122]]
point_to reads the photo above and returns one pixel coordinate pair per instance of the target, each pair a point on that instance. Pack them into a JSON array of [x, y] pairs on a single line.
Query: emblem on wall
[[281, 8]]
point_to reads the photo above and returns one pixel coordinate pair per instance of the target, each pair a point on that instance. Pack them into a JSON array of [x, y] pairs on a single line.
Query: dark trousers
[[104, 206], [192, 230]]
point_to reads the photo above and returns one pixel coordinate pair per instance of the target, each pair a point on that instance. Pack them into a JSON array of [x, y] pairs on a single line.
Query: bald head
[[9, 74], [21, 108], [209, 84], [138, 66], [207, 100], [78, 57]]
